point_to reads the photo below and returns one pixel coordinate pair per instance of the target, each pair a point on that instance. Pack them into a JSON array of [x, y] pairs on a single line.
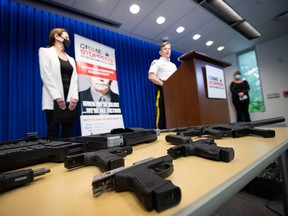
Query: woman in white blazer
[[60, 86]]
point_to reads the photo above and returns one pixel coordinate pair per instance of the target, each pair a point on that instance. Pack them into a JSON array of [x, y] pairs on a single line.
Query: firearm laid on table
[[15, 154], [205, 148], [18, 154], [16, 179], [118, 137], [105, 159], [237, 129], [144, 178]]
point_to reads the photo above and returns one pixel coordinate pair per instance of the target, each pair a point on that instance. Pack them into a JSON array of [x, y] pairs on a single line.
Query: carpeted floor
[[244, 204]]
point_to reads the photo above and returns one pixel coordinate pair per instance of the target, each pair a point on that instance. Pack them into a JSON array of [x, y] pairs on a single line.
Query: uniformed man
[[160, 70]]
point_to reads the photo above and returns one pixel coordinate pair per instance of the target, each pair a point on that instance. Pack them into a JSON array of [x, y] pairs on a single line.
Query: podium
[[186, 96]]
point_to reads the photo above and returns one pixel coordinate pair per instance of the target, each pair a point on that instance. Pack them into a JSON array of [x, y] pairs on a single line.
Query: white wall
[[272, 60]]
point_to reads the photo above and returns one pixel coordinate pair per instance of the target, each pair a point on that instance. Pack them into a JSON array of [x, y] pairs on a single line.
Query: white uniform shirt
[[162, 68]]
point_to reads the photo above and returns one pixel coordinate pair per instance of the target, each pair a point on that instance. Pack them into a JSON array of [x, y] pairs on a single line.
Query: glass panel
[[249, 68]]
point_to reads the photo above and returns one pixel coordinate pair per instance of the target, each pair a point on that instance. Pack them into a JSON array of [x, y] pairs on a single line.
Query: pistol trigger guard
[[164, 170]]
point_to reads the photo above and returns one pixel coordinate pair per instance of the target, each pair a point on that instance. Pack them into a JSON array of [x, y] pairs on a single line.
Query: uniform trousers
[[160, 108]]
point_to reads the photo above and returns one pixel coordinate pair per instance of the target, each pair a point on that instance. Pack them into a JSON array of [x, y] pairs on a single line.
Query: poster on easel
[[98, 87]]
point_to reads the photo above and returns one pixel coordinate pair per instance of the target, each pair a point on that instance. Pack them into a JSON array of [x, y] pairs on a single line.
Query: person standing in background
[[160, 70], [240, 97], [60, 85]]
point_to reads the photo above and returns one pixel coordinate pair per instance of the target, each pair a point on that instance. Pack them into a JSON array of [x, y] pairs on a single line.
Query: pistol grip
[[211, 152], [177, 139], [74, 161], [103, 159], [151, 190], [263, 133]]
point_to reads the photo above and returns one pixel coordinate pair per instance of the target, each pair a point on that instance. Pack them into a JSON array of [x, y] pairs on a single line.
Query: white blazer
[[50, 72]]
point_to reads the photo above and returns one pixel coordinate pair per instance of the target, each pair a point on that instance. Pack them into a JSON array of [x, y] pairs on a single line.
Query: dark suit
[[87, 96]]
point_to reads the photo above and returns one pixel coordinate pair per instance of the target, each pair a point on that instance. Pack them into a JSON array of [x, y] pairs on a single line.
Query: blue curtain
[[24, 29]]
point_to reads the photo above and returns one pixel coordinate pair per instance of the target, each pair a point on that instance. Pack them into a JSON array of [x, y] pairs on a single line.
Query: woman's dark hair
[[54, 31], [237, 73]]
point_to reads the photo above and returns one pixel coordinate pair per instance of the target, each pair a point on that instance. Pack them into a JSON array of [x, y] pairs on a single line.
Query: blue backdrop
[[24, 29]]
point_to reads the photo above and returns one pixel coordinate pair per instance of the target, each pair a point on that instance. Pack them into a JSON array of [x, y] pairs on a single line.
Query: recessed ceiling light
[[160, 20], [196, 36], [220, 48], [209, 43], [180, 29], [134, 8]]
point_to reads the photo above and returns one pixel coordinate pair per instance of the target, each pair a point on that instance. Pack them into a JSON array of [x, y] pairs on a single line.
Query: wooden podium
[[186, 96]]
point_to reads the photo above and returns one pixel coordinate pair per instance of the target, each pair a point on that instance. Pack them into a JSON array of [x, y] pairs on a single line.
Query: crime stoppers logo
[[96, 54], [216, 82]]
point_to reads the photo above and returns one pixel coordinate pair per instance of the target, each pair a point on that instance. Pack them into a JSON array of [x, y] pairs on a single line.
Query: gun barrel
[[40, 171], [267, 121], [178, 129], [19, 178]]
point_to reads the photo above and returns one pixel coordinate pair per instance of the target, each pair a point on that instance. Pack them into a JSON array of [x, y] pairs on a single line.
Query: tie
[[102, 99]]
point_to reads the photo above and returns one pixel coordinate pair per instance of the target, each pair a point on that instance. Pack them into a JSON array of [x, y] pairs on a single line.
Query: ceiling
[[261, 14]]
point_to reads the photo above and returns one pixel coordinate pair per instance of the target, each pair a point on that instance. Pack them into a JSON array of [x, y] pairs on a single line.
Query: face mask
[[237, 77], [66, 43]]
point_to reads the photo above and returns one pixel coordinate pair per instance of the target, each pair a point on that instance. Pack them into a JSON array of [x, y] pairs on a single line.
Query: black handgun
[[105, 159], [16, 179], [205, 148], [145, 179]]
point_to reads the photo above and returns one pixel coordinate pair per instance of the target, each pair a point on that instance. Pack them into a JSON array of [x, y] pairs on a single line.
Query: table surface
[[205, 184]]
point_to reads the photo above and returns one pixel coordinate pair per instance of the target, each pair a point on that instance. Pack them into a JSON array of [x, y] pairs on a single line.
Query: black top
[[66, 73], [235, 88]]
